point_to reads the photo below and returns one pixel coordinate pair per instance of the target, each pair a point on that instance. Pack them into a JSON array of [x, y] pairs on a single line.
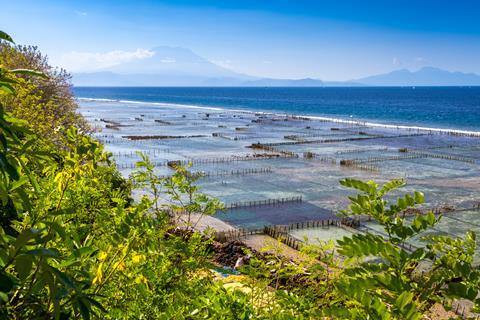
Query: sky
[[329, 40]]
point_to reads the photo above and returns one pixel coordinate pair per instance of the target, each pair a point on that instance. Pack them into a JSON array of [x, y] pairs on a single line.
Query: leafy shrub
[[46, 103], [384, 280]]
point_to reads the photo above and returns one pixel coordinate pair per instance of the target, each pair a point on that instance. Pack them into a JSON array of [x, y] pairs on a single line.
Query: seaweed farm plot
[[255, 215], [318, 184], [204, 147], [251, 161]]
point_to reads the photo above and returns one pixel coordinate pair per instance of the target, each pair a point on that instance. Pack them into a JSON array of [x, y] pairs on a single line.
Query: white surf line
[[393, 126], [161, 104], [320, 118]]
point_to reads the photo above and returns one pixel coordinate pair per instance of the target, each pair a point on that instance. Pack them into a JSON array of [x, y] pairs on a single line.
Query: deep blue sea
[[436, 107]]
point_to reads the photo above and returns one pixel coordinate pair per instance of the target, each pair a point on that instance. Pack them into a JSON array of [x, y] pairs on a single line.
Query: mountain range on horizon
[[176, 66]]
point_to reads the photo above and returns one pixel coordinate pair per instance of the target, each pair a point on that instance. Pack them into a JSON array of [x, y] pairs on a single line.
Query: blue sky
[[330, 40]]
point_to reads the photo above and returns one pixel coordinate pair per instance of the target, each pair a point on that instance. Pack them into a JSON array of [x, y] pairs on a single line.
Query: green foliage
[[42, 97], [186, 199], [182, 199], [47, 255], [384, 280]]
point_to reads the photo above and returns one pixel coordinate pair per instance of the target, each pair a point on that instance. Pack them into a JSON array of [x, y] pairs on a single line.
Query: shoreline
[[365, 123]]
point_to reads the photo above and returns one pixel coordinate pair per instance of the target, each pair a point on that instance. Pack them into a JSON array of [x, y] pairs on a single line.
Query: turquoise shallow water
[[448, 174], [436, 107]]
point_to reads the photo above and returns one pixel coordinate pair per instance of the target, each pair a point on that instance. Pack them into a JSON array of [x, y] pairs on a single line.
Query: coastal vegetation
[[76, 243], [51, 95]]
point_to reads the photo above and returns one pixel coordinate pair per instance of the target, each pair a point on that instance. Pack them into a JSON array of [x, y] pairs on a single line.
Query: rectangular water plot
[[257, 216]]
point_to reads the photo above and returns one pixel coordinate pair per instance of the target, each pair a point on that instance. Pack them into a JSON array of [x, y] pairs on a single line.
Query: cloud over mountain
[[91, 61]]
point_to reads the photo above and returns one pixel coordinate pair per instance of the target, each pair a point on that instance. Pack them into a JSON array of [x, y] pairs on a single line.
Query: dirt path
[[268, 244], [204, 222]]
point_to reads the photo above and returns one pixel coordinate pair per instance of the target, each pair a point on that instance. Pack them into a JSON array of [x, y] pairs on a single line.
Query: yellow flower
[[234, 278], [138, 258], [102, 256], [120, 266], [141, 279], [99, 274]]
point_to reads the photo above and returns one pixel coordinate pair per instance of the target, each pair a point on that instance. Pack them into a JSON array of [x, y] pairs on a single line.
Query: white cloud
[[396, 61], [410, 63], [420, 62], [81, 13], [168, 60], [89, 61]]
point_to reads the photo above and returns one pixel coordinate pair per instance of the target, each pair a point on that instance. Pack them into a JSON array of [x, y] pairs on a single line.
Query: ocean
[[434, 107], [302, 157]]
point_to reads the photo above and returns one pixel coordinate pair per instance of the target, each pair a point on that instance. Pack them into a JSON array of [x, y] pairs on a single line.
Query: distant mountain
[[175, 66], [168, 66], [427, 76]]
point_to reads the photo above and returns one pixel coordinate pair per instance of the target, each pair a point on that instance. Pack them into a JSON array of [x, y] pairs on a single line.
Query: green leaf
[[391, 185], [84, 251], [57, 228], [7, 88], [404, 299], [367, 187], [66, 280], [84, 308], [3, 296], [362, 245], [17, 184], [3, 141], [5, 36], [25, 236], [26, 200], [28, 72], [4, 79], [6, 282], [44, 252], [419, 197], [6, 166], [96, 304], [23, 266]]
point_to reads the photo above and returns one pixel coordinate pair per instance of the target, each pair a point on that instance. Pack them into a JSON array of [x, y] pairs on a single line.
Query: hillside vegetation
[[74, 244]]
